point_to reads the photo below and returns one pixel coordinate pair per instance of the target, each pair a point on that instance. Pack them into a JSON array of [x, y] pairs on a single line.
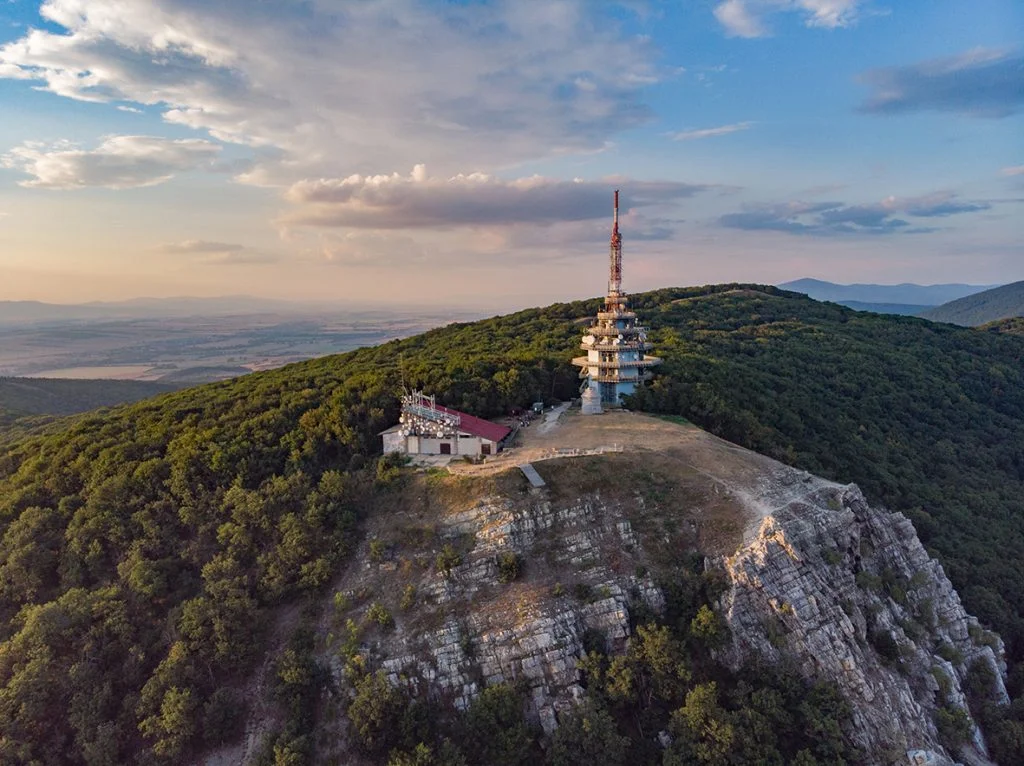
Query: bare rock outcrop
[[850, 593], [814, 576], [531, 634]]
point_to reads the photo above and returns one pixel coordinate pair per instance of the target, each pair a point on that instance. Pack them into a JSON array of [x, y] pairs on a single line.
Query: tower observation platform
[[616, 361]]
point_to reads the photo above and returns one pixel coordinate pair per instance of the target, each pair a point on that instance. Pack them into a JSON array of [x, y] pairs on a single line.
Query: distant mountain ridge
[[38, 311], [901, 298], [904, 309], [1004, 302], [12, 312]]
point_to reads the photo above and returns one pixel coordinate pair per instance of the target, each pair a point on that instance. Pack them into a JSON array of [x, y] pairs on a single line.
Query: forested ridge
[[145, 550], [27, 405], [1006, 301], [1013, 326]]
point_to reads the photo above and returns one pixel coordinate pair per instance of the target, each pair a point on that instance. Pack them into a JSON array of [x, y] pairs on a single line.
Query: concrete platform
[[531, 474]]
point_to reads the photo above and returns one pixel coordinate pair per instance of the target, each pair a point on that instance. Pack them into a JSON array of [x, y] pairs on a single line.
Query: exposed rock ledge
[[826, 580], [821, 578]]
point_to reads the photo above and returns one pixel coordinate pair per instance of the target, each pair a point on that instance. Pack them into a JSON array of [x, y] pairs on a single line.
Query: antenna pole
[[615, 275]]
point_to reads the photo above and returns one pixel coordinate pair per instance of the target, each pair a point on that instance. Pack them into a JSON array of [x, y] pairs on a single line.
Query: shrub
[[587, 736], [387, 467], [376, 712], [379, 614], [708, 628], [950, 653], [954, 727], [885, 645], [496, 731], [508, 566], [583, 592], [944, 682], [447, 560], [408, 598]]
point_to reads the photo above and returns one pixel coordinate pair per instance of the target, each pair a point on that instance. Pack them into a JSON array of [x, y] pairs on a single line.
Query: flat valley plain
[[197, 349]]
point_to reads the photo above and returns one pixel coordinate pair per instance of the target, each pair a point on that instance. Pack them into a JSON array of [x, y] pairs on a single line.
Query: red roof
[[485, 429]]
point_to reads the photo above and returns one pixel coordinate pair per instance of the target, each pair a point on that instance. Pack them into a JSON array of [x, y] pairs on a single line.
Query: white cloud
[[332, 87], [749, 18], [418, 200], [198, 246], [1016, 170], [722, 130], [206, 252], [242, 258], [119, 162], [739, 20], [381, 249], [829, 13]]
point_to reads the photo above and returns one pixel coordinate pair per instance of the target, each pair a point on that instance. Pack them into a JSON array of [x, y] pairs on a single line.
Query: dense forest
[[145, 550], [1013, 326], [28, 404]]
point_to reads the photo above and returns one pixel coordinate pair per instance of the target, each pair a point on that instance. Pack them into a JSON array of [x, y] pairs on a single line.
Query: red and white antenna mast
[[615, 276]]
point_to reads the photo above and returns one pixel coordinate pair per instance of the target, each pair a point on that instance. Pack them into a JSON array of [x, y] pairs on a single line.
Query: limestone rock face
[[536, 635], [851, 594], [814, 576]]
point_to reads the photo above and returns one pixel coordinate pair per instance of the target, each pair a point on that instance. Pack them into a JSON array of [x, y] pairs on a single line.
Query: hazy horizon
[[429, 153]]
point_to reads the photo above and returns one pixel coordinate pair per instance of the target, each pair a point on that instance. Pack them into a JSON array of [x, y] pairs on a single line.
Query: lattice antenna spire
[[615, 275]]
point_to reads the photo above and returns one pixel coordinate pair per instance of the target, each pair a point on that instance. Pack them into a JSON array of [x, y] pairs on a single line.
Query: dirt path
[[759, 484], [566, 432], [551, 418]]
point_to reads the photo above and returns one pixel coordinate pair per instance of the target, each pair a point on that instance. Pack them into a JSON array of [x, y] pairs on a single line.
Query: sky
[[464, 153]]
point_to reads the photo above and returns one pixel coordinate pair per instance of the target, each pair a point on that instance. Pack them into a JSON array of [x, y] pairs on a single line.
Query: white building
[[428, 428]]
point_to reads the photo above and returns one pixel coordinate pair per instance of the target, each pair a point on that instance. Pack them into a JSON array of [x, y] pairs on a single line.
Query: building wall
[[425, 445], [394, 442]]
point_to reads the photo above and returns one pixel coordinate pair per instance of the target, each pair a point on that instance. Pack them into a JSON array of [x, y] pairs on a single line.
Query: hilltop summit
[[175, 568]]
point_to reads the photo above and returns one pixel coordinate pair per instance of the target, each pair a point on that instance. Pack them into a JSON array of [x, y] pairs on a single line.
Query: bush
[[508, 566], [950, 654], [708, 628], [954, 727], [379, 614], [587, 736], [495, 729], [885, 645], [583, 592], [447, 560], [376, 713], [408, 598]]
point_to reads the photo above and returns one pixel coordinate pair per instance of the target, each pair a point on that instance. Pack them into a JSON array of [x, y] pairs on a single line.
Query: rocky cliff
[[850, 591], [466, 581]]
